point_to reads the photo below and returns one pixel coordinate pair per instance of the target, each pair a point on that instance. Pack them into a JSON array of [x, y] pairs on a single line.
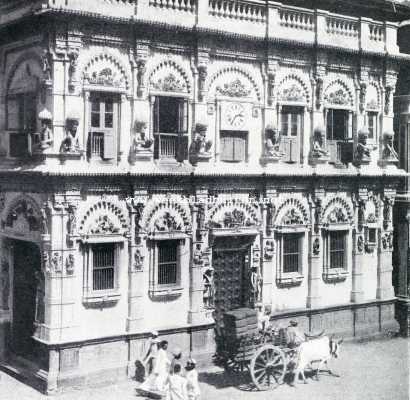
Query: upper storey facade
[[127, 86]]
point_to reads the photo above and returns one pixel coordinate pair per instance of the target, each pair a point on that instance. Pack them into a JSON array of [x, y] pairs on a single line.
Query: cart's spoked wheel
[[268, 367]]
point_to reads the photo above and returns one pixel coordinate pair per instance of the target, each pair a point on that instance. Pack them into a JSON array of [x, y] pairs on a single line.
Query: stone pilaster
[[200, 263], [359, 201], [137, 261], [316, 250], [384, 268]]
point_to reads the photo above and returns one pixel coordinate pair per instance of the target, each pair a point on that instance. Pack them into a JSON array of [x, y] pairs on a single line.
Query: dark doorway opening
[[26, 273]]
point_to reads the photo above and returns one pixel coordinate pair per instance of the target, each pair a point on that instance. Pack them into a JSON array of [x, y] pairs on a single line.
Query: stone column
[[268, 253], [137, 261]]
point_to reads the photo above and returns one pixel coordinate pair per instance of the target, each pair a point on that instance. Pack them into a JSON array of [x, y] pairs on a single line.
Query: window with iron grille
[[103, 126], [337, 249], [167, 262], [170, 117], [103, 266], [291, 255]]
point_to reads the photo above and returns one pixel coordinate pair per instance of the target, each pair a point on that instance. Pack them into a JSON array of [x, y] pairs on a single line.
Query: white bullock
[[318, 351]]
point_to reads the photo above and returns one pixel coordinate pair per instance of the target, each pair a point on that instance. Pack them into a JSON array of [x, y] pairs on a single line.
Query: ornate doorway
[[26, 273], [231, 261]]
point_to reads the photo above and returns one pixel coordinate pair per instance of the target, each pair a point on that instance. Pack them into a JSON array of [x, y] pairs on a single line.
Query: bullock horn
[[340, 341]]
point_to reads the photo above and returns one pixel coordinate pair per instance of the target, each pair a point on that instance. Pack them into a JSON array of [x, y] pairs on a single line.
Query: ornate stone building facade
[[165, 161]]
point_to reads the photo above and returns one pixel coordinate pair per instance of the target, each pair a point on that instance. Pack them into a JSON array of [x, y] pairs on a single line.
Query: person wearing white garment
[[194, 392], [176, 385], [157, 380]]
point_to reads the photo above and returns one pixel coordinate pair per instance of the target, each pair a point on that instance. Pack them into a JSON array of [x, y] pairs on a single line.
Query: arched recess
[[23, 219], [292, 212], [235, 213], [233, 81], [25, 74], [165, 217], [106, 70], [337, 211], [103, 218], [338, 93], [293, 89], [169, 76]]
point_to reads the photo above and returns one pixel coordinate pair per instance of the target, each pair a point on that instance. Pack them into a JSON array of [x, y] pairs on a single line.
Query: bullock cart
[[241, 347]]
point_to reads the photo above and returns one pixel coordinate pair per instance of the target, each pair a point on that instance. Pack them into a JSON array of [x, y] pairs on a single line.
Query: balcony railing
[[170, 146], [256, 18]]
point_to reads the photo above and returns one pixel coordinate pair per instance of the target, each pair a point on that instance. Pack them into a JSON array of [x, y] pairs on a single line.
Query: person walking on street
[[194, 391]]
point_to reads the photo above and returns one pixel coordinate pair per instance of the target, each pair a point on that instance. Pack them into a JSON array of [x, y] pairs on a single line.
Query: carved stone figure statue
[[70, 143], [389, 154], [42, 140], [140, 141], [5, 283], [272, 142], [362, 153], [318, 148], [200, 146], [209, 288]]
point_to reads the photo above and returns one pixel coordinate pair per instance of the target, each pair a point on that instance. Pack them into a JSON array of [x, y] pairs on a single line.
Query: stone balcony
[[253, 18]]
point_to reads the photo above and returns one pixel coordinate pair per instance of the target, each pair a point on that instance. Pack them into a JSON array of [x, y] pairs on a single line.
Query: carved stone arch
[[372, 212], [22, 63], [293, 88], [337, 211], [373, 96], [103, 218], [169, 76], [233, 213], [106, 69], [241, 75], [338, 93], [22, 215], [166, 216], [292, 212]]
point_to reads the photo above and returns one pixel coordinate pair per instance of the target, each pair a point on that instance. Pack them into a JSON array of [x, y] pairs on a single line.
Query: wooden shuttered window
[[167, 273], [291, 133], [103, 126], [170, 118], [103, 266], [21, 119], [233, 146], [292, 252]]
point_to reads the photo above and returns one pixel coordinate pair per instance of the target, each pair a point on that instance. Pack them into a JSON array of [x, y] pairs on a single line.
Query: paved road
[[376, 370]]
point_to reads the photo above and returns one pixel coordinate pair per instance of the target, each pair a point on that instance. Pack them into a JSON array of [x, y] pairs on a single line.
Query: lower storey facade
[[91, 265]]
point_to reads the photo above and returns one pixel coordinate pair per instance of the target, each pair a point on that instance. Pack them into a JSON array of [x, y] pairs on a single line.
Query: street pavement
[[375, 370]]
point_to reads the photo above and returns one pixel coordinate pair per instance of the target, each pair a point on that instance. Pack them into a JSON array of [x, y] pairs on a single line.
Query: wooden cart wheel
[[268, 367]]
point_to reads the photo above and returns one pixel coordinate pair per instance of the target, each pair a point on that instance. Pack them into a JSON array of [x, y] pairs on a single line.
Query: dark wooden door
[[26, 263], [230, 261]]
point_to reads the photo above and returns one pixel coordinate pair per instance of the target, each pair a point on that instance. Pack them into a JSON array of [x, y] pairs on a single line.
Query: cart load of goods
[[241, 331]]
